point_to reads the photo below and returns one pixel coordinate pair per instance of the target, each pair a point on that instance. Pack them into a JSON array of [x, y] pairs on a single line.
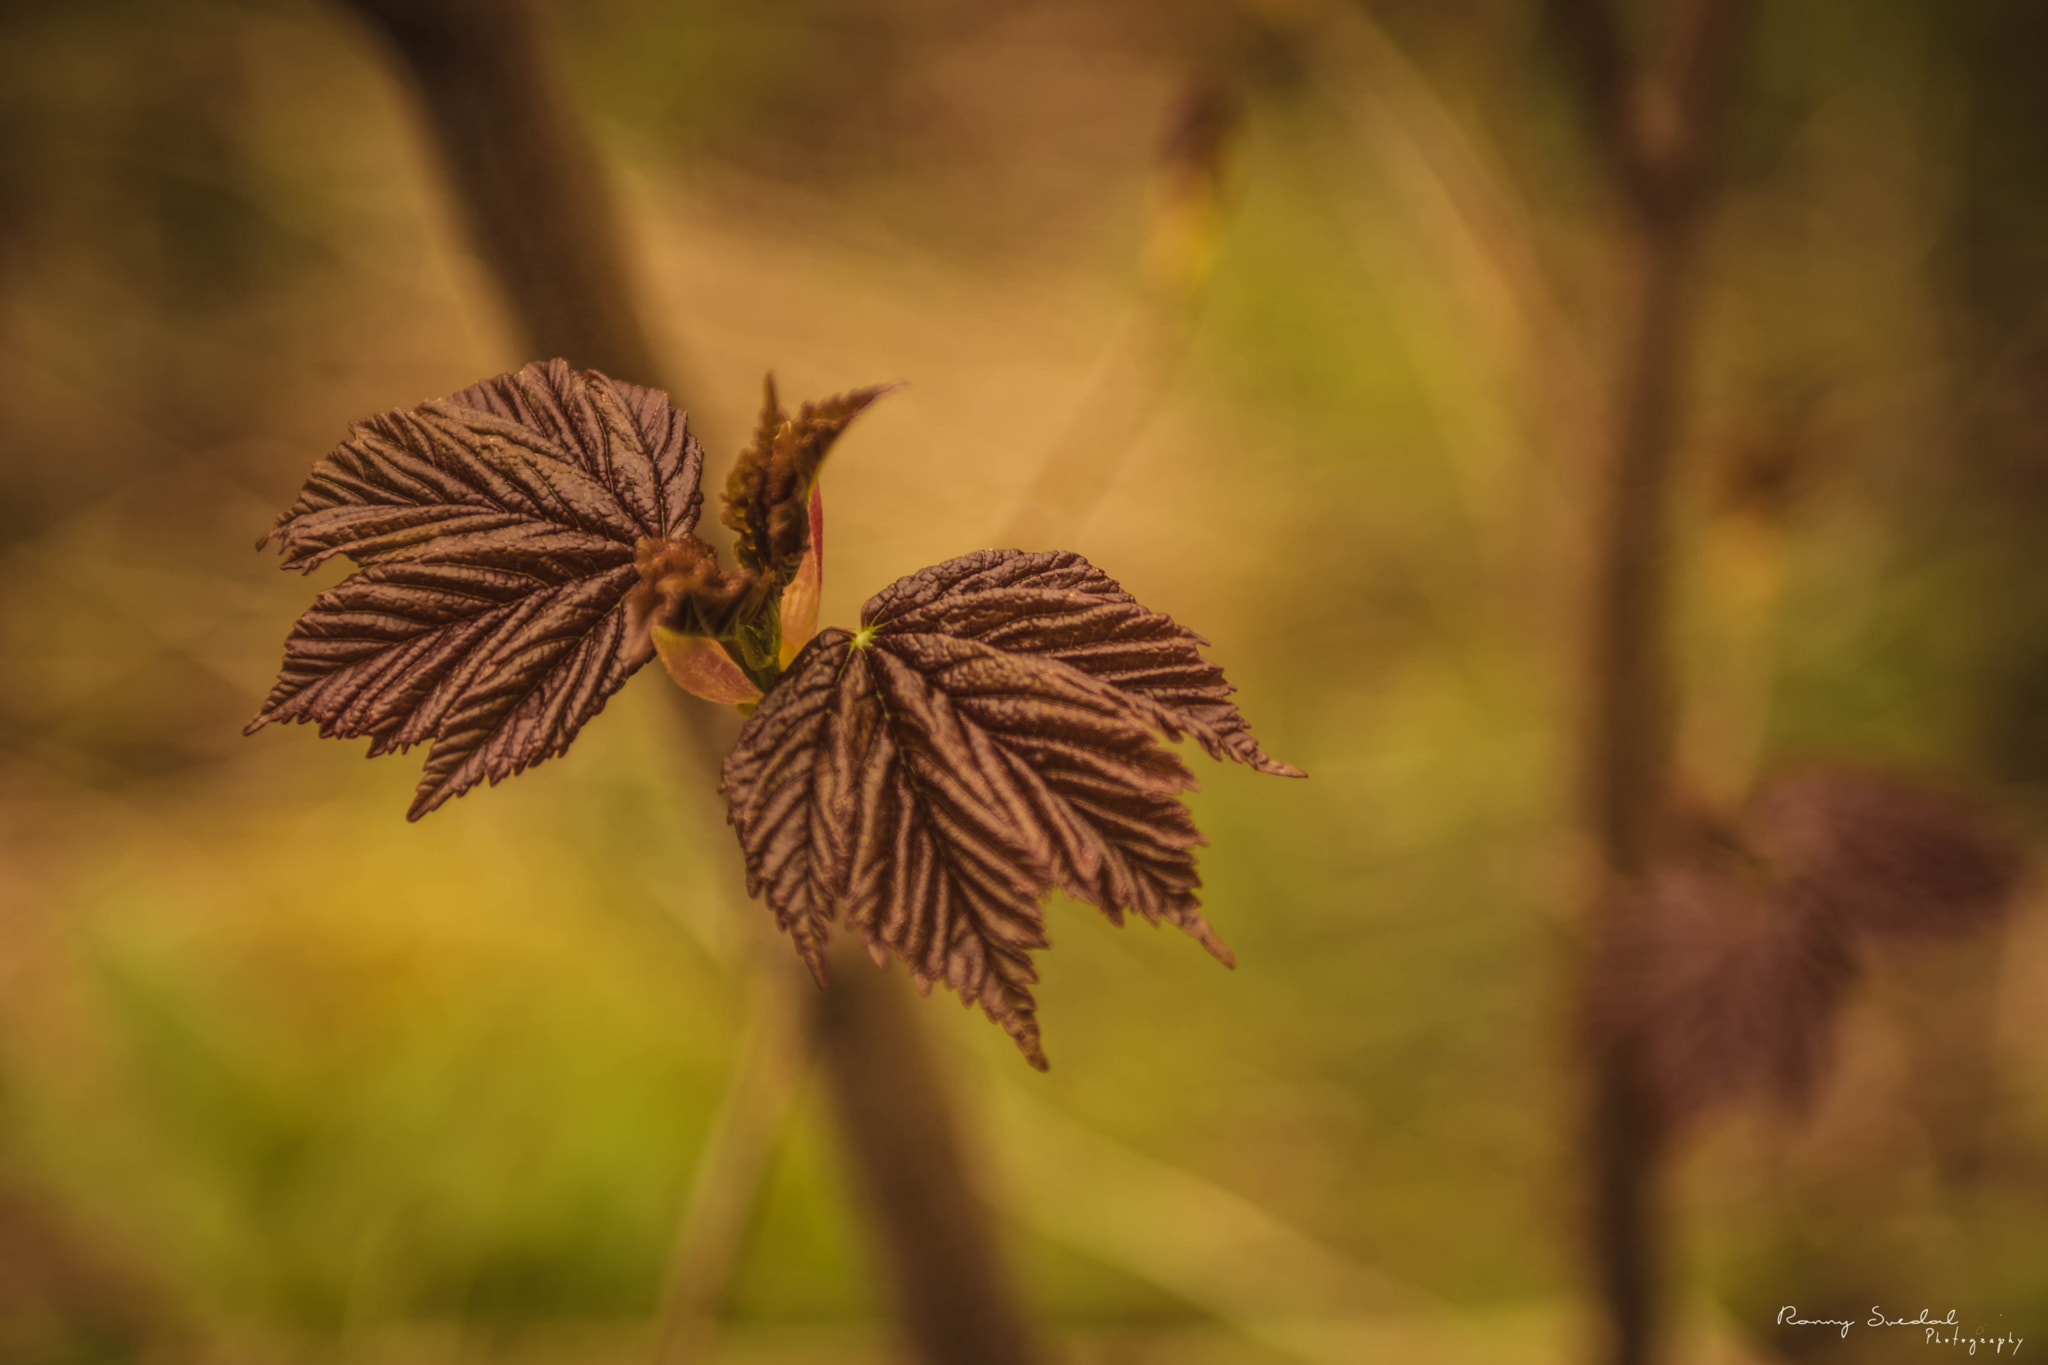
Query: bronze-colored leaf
[[497, 533], [768, 494], [1722, 983], [1056, 603], [936, 785], [537, 453], [1885, 854]]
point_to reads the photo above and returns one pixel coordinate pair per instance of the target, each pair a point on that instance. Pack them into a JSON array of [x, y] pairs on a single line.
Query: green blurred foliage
[[298, 1077]]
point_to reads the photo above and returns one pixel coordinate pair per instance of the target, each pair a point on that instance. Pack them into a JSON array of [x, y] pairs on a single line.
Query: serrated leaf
[[768, 493], [1056, 603], [497, 532], [936, 784]]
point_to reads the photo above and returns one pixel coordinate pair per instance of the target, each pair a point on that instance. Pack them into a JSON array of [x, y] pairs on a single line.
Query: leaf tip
[[1205, 934]]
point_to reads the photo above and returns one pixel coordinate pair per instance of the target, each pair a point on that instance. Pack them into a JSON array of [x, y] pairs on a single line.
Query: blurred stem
[[534, 201], [1627, 754], [1657, 139], [526, 178], [909, 1162]]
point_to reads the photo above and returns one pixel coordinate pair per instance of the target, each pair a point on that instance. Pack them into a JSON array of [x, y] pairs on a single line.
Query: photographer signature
[[1943, 1331]]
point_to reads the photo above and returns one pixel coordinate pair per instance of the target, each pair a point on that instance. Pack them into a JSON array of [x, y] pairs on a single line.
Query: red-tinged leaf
[[1885, 854], [936, 785], [497, 533], [792, 781], [807, 588], [1056, 603], [700, 666]]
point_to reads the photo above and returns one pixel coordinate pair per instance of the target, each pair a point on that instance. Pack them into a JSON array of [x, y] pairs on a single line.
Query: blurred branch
[[1707, 40], [534, 201], [1656, 133], [527, 180], [1606, 88], [909, 1161]]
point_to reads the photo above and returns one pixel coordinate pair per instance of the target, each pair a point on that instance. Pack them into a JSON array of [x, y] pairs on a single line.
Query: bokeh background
[[285, 1078]]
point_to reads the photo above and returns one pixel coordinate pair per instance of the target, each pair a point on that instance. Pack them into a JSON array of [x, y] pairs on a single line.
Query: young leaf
[[496, 530], [936, 784], [759, 614], [768, 494]]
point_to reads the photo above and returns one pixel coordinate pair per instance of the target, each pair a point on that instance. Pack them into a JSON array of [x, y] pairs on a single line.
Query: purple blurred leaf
[[1722, 983], [1885, 854]]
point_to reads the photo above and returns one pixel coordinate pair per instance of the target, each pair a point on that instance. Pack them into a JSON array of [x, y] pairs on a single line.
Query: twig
[[1608, 91], [1656, 137], [909, 1161], [526, 178]]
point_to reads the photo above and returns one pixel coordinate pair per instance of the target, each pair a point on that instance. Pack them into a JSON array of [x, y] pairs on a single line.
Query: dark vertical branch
[[1627, 750], [1606, 85], [1706, 43], [907, 1157], [534, 202], [525, 177], [1657, 139]]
